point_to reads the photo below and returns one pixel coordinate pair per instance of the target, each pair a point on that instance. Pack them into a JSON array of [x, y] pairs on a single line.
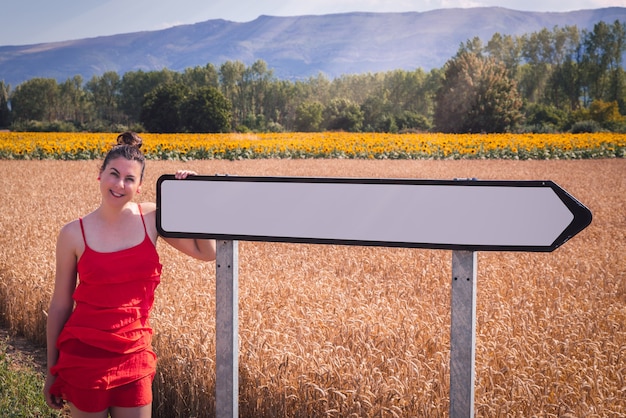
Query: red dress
[[105, 356]]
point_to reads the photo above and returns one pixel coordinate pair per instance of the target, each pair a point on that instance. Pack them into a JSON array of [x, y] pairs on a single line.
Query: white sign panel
[[487, 215]]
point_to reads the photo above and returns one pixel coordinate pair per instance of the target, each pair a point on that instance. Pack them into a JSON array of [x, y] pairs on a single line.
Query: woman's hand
[[54, 402], [183, 174]]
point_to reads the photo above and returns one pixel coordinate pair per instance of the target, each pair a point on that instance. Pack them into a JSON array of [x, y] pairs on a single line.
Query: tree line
[[564, 79]]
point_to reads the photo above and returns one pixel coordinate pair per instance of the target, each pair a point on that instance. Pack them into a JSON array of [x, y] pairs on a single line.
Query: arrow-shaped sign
[[452, 214]]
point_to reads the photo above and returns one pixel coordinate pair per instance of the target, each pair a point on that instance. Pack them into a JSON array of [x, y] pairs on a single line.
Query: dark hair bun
[[129, 138]]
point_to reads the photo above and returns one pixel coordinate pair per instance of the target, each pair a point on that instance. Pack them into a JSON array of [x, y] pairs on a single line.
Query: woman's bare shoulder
[[70, 228], [70, 235]]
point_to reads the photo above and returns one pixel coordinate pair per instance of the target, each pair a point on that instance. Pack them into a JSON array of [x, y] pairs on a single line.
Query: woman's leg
[[136, 412], [77, 413]]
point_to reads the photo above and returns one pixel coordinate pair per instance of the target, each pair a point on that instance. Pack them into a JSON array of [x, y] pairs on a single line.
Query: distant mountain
[[293, 47]]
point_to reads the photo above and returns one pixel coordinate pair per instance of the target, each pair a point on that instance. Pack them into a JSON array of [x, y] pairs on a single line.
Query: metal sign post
[[464, 216], [463, 333], [227, 329]]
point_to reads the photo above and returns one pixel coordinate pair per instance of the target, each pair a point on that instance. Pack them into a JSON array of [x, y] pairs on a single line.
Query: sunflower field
[[82, 146]]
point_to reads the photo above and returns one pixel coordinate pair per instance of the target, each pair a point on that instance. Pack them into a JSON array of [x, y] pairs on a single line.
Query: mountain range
[[293, 47]]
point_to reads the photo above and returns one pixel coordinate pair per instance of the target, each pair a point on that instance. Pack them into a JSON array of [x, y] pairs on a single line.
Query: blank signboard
[[467, 214]]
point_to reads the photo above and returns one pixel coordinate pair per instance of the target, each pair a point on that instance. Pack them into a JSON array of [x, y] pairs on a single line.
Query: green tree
[[606, 114], [255, 82], [279, 105], [135, 85], [231, 79], [563, 89], [377, 116], [198, 77], [476, 96], [5, 112], [498, 104], [457, 94], [104, 92], [545, 118], [472, 46], [206, 110], [343, 115], [407, 91], [603, 51], [355, 87], [537, 50], [507, 50], [73, 104], [411, 121], [35, 100], [161, 110], [316, 88], [309, 117]]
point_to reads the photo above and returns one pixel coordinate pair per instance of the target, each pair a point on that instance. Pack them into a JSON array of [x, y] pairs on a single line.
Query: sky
[[24, 22]]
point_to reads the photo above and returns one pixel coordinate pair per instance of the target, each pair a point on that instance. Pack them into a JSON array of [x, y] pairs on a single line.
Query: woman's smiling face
[[120, 179]]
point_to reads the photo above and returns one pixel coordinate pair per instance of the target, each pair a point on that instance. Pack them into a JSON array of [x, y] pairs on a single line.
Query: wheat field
[[337, 331]]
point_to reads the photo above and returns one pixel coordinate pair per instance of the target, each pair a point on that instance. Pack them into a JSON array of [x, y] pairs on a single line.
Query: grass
[[21, 387]]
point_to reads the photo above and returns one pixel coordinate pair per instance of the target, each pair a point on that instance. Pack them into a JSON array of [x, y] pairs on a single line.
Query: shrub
[[586, 126]]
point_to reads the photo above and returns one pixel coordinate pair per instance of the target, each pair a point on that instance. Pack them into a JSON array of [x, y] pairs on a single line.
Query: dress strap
[[82, 229], [142, 220]]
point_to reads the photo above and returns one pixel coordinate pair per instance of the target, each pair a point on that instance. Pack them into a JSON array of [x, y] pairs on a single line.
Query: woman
[[99, 352]]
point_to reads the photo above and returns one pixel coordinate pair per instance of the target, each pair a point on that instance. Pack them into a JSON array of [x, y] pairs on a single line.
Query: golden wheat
[[334, 331]]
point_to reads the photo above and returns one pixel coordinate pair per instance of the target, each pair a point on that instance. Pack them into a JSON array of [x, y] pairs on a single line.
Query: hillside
[[294, 47]]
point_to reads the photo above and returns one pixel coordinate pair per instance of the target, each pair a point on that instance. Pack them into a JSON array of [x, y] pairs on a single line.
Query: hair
[[128, 146]]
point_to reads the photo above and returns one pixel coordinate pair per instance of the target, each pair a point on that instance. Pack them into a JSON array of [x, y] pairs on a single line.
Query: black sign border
[[582, 215]]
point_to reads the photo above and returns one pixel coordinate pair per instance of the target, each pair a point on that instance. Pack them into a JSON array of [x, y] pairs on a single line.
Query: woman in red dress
[[100, 359]]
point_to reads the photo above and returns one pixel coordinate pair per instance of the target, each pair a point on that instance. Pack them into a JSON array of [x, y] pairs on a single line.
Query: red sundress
[[106, 342]]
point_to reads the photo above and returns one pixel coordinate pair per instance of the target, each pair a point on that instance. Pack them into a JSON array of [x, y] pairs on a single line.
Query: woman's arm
[[202, 249], [61, 303]]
